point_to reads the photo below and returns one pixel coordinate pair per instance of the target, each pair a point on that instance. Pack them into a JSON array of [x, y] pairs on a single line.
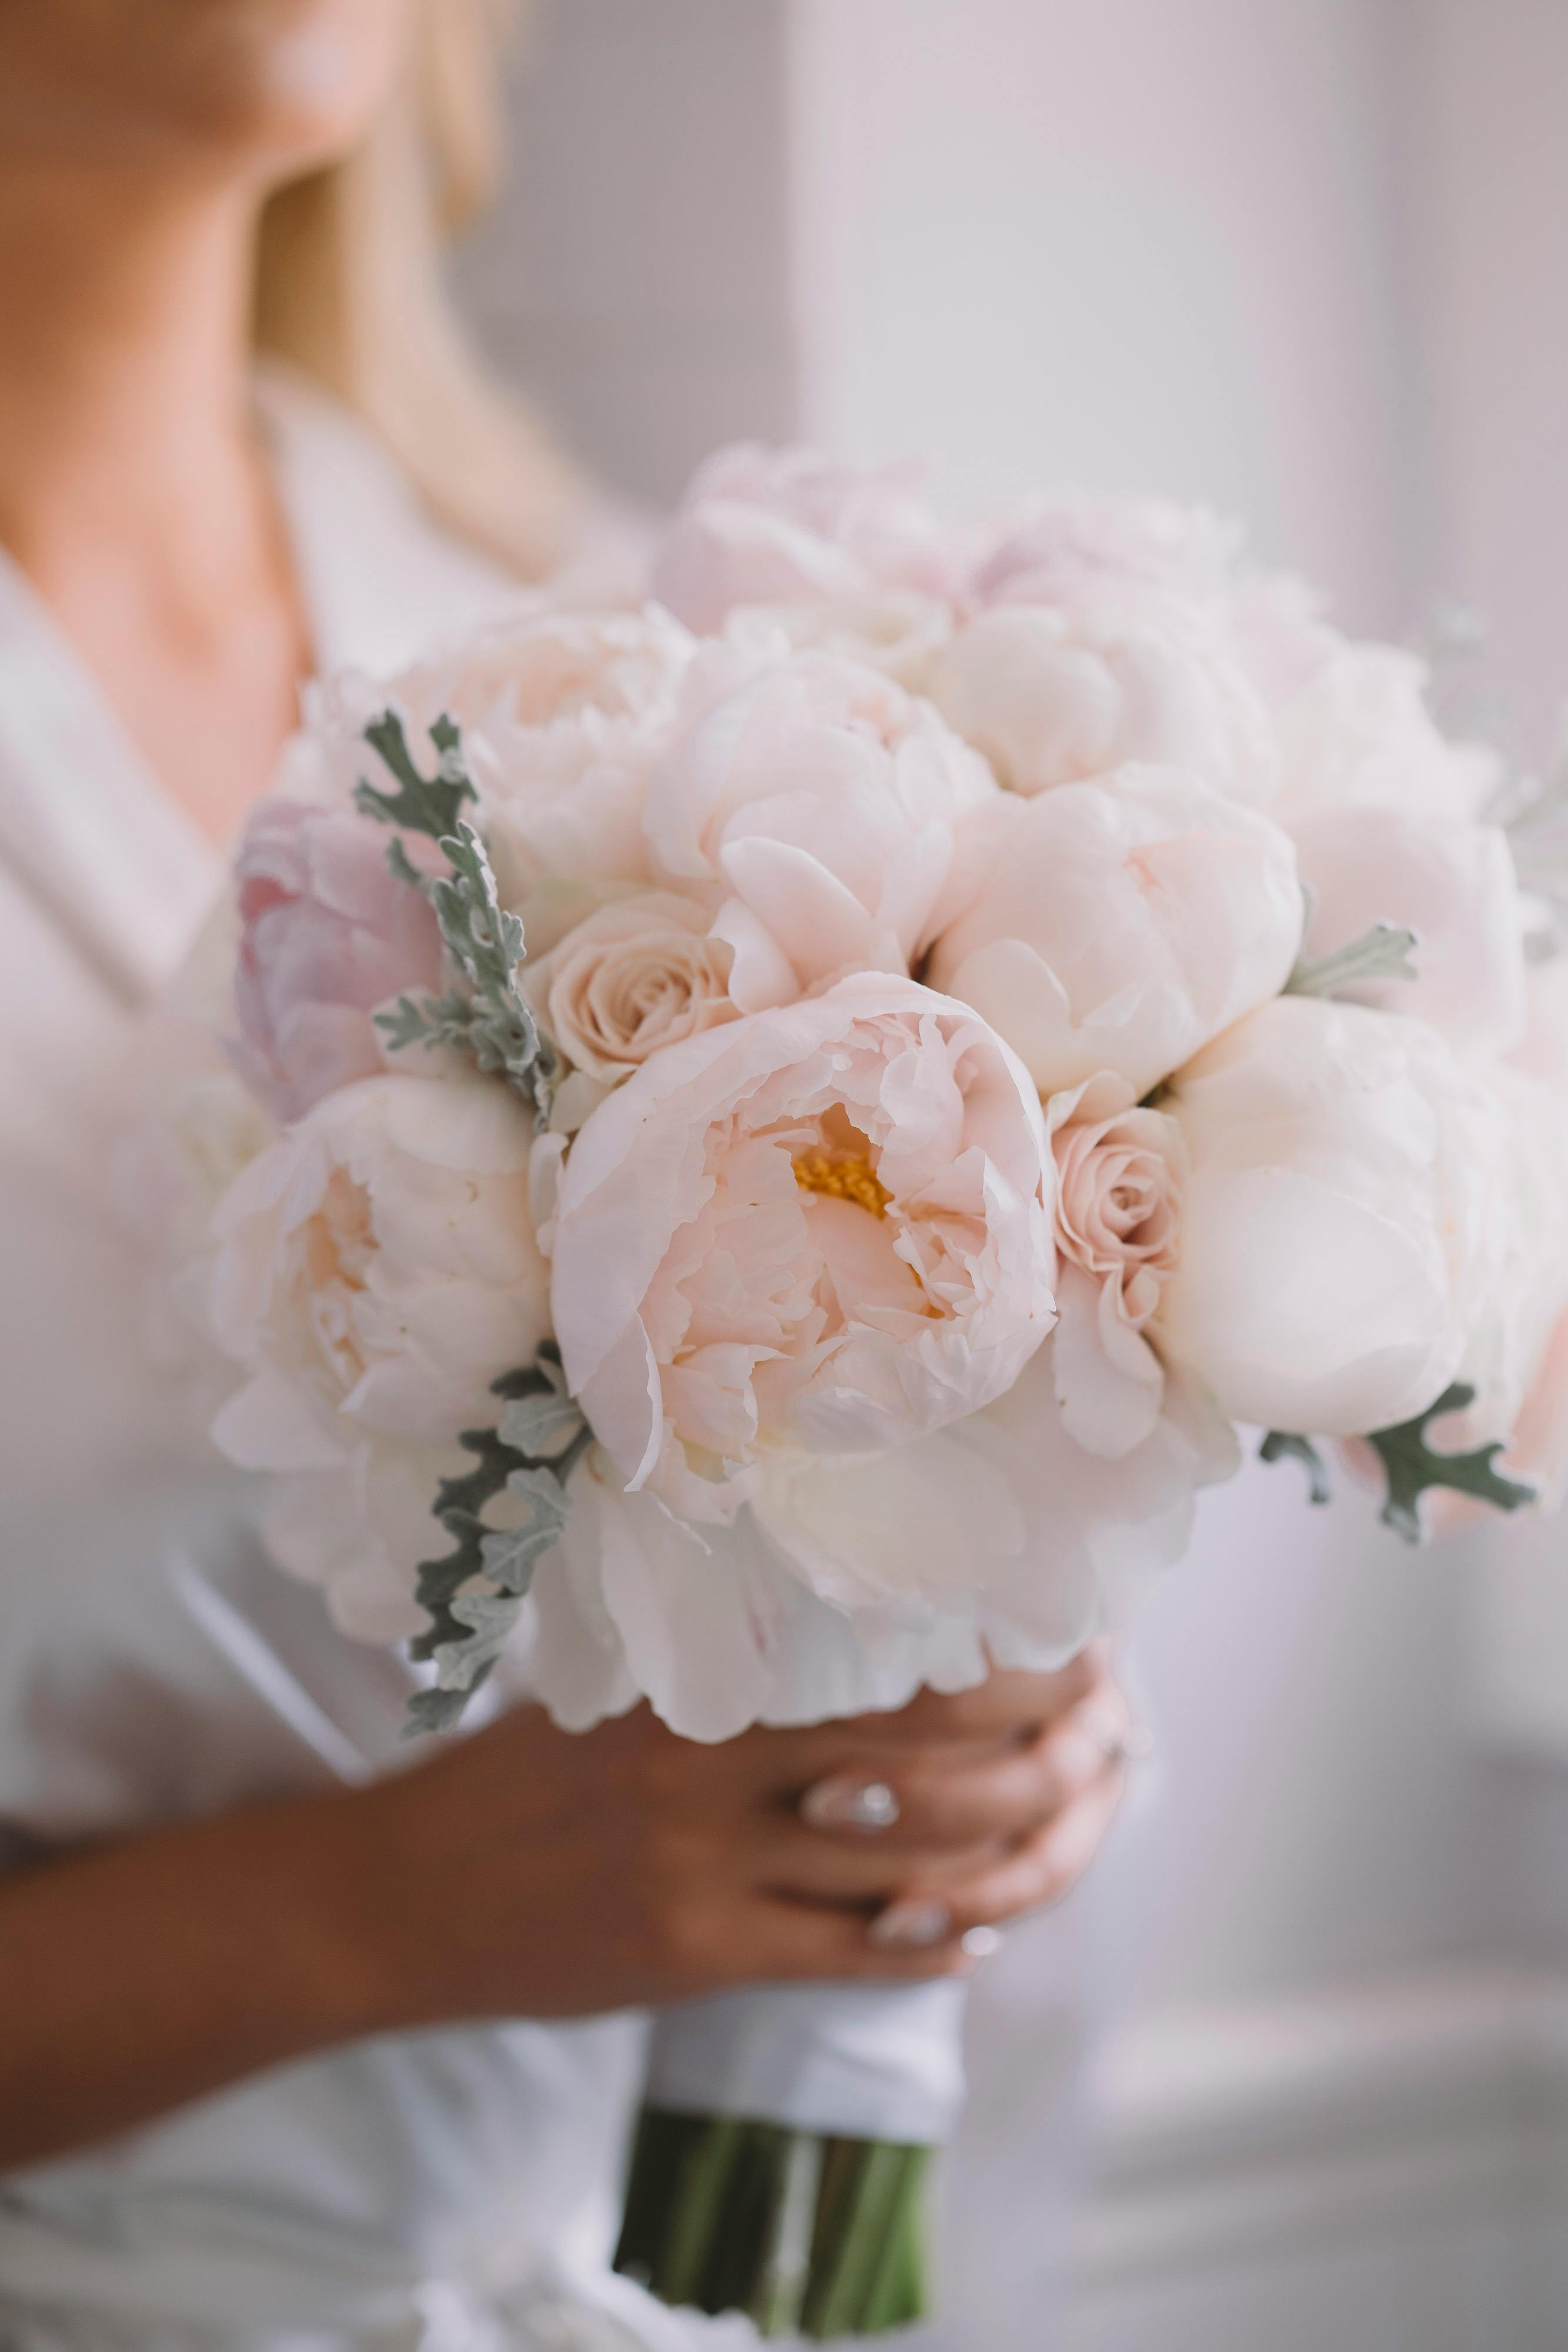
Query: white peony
[[817, 808], [376, 1271], [1341, 1218], [1358, 734], [896, 630], [1054, 694], [1059, 548], [566, 715], [1450, 881], [1119, 926], [790, 527], [850, 1585]]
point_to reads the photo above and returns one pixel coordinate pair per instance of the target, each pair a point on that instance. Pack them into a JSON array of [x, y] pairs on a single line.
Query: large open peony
[[1343, 1217], [1119, 926], [824, 1229]]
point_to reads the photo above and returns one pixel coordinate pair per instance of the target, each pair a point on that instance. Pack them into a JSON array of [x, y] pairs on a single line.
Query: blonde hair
[[349, 290]]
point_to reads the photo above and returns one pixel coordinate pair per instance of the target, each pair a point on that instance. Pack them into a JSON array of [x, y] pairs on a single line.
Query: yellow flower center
[[844, 1176]]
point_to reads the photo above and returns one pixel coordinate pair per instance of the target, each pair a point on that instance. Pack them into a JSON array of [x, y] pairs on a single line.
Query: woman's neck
[[133, 489]]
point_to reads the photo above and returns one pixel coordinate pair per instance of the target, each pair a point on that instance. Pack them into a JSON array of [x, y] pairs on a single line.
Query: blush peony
[[789, 527], [376, 1270], [1358, 734], [817, 808], [824, 1230], [1450, 882], [1342, 1221], [1119, 926], [1054, 694], [568, 714], [326, 936]]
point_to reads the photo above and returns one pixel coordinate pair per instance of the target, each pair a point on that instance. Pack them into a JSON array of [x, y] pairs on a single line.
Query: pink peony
[[788, 527], [824, 1230], [327, 935], [1450, 882], [1060, 548], [1056, 693], [1119, 926], [817, 807]]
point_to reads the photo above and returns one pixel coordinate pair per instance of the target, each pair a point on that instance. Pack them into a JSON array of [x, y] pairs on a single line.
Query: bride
[[252, 2090]]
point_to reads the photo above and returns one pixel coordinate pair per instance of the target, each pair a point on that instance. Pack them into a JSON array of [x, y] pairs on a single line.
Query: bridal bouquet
[[805, 1112]]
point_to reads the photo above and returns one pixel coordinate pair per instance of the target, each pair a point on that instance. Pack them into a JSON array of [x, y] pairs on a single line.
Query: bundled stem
[[806, 2233]]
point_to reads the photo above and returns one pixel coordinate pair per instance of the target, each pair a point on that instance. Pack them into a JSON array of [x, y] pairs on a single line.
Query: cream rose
[[1119, 926], [1340, 1222], [1052, 694], [817, 808], [1120, 1173], [825, 1229], [636, 975]]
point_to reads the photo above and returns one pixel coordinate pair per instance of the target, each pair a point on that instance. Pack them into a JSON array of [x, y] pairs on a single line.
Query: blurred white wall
[[1300, 259]]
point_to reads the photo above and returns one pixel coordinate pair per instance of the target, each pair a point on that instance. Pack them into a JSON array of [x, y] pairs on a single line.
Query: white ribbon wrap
[[867, 2062]]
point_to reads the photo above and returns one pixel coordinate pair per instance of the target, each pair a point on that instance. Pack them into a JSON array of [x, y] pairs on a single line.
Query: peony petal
[[1108, 1377]]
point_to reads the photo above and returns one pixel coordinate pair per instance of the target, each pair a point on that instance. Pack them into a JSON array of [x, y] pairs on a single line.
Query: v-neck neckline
[[86, 823]]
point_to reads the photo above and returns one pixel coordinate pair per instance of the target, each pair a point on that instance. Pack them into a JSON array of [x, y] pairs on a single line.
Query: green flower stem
[[806, 2233]]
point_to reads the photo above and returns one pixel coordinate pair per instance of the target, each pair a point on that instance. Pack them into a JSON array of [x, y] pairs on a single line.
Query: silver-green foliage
[[485, 1016], [1412, 1466], [1381, 953], [473, 1594]]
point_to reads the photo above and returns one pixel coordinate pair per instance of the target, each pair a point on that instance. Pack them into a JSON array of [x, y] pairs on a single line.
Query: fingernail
[[981, 1943], [910, 1925], [850, 1805]]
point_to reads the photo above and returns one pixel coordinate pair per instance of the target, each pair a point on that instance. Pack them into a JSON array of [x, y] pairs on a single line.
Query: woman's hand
[[528, 1873], [572, 1874]]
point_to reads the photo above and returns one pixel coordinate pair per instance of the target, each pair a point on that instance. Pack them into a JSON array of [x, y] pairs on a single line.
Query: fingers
[[860, 1836], [1006, 1705], [1040, 1872], [1002, 1713], [795, 1942]]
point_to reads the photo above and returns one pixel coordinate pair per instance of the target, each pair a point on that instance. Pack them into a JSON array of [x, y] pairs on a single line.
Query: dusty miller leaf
[[461, 1665], [486, 944], [473, 1592], [509, 1553], [1382, 953], [542, 1426], [1412, 1468], [1284, 1444], [428, 804], [492, 1024]]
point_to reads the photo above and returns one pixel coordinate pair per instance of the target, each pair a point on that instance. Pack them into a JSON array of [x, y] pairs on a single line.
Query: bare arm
[[526, 1872]]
